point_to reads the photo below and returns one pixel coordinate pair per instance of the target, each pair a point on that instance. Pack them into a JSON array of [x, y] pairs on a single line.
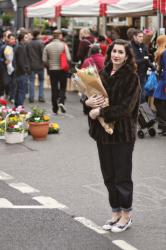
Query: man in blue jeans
[[34, 51], [40, 74], [22, 70]]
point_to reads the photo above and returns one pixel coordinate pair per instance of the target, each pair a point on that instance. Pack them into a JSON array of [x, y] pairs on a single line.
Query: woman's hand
[[95, 101], [94, 113]]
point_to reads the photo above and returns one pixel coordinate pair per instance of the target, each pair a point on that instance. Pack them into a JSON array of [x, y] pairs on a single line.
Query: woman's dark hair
[[129, 52], [10, 35], [21, 36], [35, 33], [101, 38], [94, 49], [130, 33]]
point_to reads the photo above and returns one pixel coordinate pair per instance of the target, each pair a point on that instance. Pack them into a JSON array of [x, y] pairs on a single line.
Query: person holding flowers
[[115, 150]]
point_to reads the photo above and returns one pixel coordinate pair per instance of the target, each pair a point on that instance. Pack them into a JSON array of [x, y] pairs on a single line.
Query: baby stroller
[[146, 121]]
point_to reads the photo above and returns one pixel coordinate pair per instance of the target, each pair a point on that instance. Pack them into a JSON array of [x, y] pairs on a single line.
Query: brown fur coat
[[123, 89]]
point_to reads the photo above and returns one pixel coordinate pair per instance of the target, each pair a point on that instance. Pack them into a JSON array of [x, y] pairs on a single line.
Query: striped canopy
[[52, 8]]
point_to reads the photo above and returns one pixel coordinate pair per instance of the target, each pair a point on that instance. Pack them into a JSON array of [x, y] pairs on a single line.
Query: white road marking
[[49, 202], [30, 207], [4, 203], [90, 224], [24, 188], [123, 245], [4, 176]]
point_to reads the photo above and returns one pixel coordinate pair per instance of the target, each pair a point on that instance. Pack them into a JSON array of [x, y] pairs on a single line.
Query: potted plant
[[38, 123], [14, 128], [53, 128]]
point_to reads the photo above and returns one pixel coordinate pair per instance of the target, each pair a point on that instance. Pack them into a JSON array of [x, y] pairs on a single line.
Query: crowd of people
[[25, 56], [122, 66]]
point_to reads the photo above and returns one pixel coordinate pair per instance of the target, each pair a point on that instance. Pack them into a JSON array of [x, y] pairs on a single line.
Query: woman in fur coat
[[115, 151]]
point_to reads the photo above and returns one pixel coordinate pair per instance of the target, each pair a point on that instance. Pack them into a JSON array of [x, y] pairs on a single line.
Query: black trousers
[[116, 167], [161, 113], [58, 80]]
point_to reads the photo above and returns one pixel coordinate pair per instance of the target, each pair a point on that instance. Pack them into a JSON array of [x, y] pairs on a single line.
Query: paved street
[[52, 195]]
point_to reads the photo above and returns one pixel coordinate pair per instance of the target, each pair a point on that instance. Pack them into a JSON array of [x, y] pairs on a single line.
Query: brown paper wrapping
[[91, 85]]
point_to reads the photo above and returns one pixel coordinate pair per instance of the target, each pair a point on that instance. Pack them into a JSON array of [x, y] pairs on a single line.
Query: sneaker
[[109, 224], [41, 99], [31, 101], [54, 114], [117, 228], [62, 107]]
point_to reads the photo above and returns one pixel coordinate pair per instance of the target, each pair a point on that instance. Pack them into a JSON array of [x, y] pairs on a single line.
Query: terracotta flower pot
[[39, 130]]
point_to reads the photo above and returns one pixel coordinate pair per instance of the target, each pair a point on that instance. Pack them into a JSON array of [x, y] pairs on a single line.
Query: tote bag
[[151, 83], [63, 61]]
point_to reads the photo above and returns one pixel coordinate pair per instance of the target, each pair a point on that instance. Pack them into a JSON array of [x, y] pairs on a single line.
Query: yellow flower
[[55, 126], [2, 122], [46, 118]]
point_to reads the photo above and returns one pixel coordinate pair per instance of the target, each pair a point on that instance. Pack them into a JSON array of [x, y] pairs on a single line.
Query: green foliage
[[36, 22], [64, 22], [41, 24], [38, 115], [6, 18]]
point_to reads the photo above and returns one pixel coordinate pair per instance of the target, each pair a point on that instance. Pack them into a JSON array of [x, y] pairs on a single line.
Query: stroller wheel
[[152, 132], [140, 134]]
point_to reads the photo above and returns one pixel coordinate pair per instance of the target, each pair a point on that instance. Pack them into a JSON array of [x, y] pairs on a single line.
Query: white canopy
[[131, 7], [44, 8], [81, 8], [107, 7], [52, 8]]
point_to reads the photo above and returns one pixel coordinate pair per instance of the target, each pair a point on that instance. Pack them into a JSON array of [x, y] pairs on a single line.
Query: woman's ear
[[126, 59]]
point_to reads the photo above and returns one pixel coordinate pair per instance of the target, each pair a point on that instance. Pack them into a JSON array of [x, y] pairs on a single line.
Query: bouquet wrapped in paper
[[88, 82], [8, 52]]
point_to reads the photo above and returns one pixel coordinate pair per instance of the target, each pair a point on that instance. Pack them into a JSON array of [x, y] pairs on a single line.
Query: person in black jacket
[[35, 51], [22, 70], [142, 59], [115, 151]]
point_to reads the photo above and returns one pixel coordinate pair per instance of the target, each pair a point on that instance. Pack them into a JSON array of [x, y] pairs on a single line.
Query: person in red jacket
[[86, 40], [95, 58], [103, 44]]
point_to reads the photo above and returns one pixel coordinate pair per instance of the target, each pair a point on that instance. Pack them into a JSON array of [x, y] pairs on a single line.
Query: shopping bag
[[64, 65], [151, 83]]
